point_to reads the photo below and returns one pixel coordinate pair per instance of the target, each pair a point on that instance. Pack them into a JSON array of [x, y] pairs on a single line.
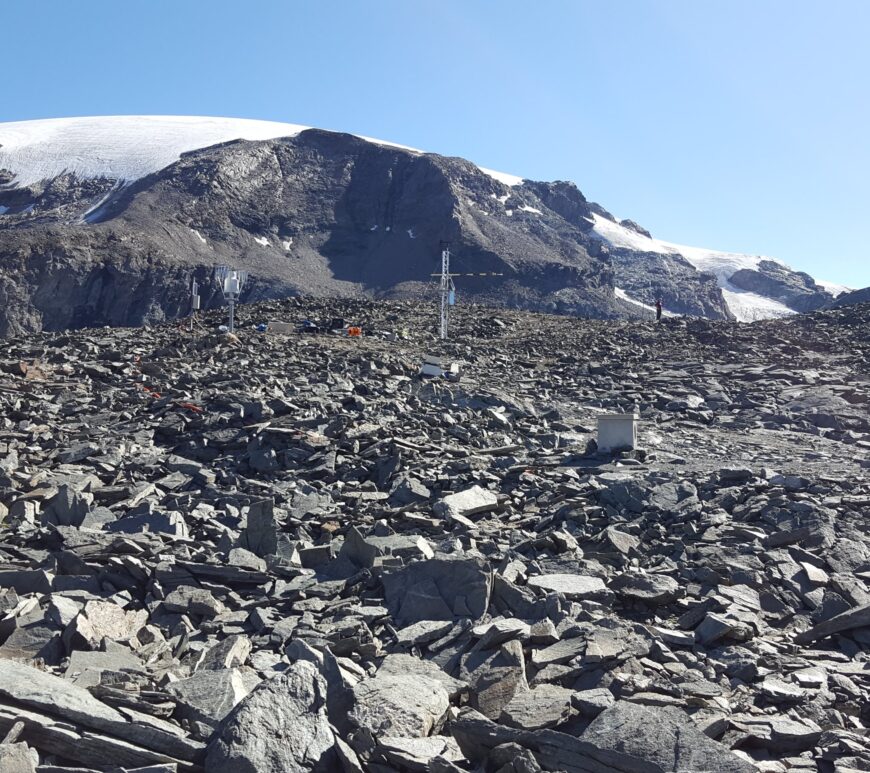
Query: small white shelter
[[283, 328], [617, 432], [435, 366]]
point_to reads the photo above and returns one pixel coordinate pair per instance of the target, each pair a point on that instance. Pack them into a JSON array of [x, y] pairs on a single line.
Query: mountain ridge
[[94, 221]]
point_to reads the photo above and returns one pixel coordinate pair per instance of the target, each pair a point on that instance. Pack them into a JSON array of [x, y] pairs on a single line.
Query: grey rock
[[495, 677], [546, 705], [438, 589], [664, 737], [228, 653], [86, 668], [417, 754], [650, 589], [573, 586], [17, 758], [195, 601], [44, 692], [846, 621], [281, 727], [399, 705], [208, 696], [423, 632], [407, 665], [590, 703], [779, 734], [364, 551], [261, 533], [464, 504]]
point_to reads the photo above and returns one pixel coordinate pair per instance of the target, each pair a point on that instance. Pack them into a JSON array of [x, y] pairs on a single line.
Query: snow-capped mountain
[[103, 221]]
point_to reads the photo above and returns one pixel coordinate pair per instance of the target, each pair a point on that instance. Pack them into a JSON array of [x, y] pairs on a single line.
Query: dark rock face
[[852, 298], [631, 225], [646, 276], [320, 213], [795, 289]]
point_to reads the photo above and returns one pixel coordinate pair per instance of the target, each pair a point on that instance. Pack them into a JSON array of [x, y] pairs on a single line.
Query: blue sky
[[733, 125]]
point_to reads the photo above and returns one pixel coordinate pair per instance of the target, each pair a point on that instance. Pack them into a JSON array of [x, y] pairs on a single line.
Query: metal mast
[[446, 289], [194, 300]]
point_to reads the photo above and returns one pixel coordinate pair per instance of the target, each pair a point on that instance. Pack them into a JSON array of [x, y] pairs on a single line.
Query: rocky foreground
[[272, 553]]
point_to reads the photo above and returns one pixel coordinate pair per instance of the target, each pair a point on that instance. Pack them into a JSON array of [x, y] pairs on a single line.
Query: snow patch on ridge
[[118, 147], [722, 264], [745, 306], [508, 179], [833, 288], [624, 296], [751, 307], [127, 147]]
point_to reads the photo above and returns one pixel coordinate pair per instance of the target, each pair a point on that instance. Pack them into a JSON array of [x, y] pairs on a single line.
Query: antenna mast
[[448, 289]]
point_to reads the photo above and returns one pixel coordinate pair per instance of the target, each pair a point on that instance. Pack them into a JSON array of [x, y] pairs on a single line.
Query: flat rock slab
[[416, 754], [53, 695], [664, 736], [545, 706], [423, 632], [847, 621], [364, 551], [85, 667], [463, 504], [779, 734], [650, 589], [195, 601], [438, 589], [590, 703], [559, 652], [410, 706], [574, 587]]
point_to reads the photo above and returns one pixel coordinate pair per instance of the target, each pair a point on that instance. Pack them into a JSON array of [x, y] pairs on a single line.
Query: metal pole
[[445, 291], [232, 315], [194, 292]]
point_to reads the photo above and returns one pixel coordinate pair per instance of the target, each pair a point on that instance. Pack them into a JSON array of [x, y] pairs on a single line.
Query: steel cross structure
[[448, 289]]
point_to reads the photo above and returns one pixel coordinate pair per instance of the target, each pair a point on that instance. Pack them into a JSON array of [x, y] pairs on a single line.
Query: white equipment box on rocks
[[433, 366], [617, 432], [284, 328]]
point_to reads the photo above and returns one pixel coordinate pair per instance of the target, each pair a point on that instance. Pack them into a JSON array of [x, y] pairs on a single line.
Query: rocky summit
[[265, 552]]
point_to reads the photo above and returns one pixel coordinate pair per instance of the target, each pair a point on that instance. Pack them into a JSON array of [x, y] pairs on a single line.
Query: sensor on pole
[[231, 281]]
